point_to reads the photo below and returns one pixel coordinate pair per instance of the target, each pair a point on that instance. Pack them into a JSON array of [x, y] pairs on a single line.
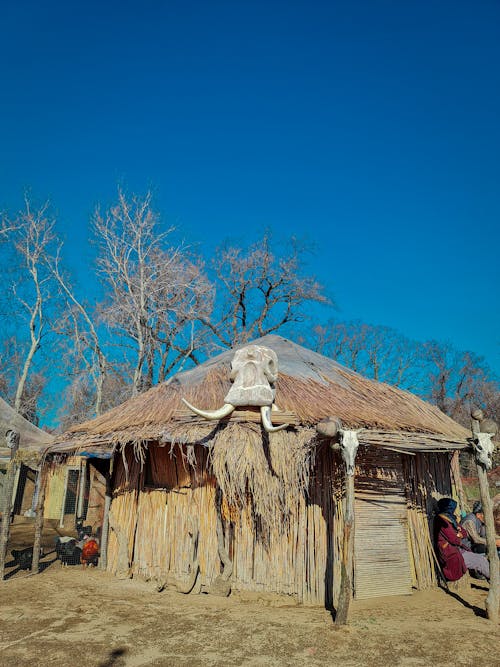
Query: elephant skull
[[254, 371]]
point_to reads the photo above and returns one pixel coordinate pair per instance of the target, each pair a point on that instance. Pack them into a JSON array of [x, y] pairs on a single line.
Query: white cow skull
[[483, 449], [254, 371], [12, 438], [349, 444]]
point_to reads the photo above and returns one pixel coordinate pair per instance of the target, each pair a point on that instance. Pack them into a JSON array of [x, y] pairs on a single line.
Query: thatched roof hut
[[190, 494], [32, 443]]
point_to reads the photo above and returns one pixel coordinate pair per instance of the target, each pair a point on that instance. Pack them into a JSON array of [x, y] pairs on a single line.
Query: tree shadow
[[45, 564], [12, 573], [477, 610], [479, 587], [114, 659]]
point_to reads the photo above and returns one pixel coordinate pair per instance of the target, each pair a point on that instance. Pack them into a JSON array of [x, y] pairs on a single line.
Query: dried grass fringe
[[272, 472]]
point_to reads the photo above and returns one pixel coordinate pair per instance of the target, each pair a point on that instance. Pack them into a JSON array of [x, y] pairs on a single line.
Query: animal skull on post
[[12, 439], [483, 449], [254, 371], [349, 444]]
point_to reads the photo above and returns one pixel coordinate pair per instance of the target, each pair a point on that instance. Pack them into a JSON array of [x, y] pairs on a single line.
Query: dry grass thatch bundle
[[272, 471]]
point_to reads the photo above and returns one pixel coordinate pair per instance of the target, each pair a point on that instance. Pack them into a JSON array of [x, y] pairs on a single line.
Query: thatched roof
[[310, 387], [32, 439]]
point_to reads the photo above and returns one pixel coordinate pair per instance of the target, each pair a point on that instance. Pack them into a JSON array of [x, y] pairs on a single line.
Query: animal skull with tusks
[[349, 444], [254, 371], [483, 449]]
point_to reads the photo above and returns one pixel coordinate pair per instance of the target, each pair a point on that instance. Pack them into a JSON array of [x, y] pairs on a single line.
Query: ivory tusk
[[226, 410], [265, 411]]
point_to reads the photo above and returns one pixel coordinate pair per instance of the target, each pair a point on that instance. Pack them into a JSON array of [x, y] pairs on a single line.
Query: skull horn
[[265, 411], [226, 410]]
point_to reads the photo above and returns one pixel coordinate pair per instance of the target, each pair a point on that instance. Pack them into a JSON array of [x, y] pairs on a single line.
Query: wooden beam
[[493, 597], [345, 595], [82, 483], [8, 492], [37, 542], [103, 558], [247, 415]]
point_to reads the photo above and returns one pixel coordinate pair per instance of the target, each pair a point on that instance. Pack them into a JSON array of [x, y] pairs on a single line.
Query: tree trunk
[[347, 564], [493, 597], [36, 313]]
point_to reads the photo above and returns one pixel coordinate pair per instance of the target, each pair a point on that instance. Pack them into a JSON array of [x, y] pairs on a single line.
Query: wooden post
[[82, 480], [345, 594], [37, 543], [103, 558], [348, 448], [493, 597], [13, 444]]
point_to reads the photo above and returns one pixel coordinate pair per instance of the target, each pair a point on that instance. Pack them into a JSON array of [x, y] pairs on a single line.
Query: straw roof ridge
[[309, 385]]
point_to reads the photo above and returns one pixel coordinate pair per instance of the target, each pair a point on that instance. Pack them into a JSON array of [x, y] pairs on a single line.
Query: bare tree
[[459, 380], [79, 325], [31, 235], [260, 292], [378, 352], [155, 291], [79, 398]]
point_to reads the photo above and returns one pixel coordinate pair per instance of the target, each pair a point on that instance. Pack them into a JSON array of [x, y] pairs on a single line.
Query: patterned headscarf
[[447, 506]]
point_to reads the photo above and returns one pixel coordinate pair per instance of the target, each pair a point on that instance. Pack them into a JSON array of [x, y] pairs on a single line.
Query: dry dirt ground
[[70, 616]]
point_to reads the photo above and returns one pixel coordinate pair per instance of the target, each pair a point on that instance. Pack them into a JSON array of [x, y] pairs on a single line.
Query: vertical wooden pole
[[493, 597], [82, 483], [13, 443], [103, 559], [345, 594], [37, 542]]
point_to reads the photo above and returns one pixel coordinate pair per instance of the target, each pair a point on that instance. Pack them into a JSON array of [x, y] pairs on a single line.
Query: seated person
[[476, 530], [454, 557], [496, 517]]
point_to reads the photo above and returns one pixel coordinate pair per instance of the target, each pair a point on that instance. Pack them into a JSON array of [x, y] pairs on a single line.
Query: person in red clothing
[[454, 558], [448, 539]]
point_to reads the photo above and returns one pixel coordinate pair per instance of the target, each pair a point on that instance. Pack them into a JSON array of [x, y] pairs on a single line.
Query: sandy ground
[[69, 616]]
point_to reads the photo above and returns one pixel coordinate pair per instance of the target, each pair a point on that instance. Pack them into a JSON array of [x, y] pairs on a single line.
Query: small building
[[32, 442], [254, 495]]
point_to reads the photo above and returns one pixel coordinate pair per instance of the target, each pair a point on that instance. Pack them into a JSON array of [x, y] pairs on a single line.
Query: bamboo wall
[[381, 548], [298, 561], [97, 492], [55, 491], [427, 478], [54, 495], [158, 521], [160, 505]]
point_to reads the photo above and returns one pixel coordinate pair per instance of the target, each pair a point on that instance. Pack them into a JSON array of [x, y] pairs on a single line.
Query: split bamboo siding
[[381, 553]]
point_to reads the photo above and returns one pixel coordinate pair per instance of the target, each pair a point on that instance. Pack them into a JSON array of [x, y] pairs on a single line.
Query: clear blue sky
[[371, 128]]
